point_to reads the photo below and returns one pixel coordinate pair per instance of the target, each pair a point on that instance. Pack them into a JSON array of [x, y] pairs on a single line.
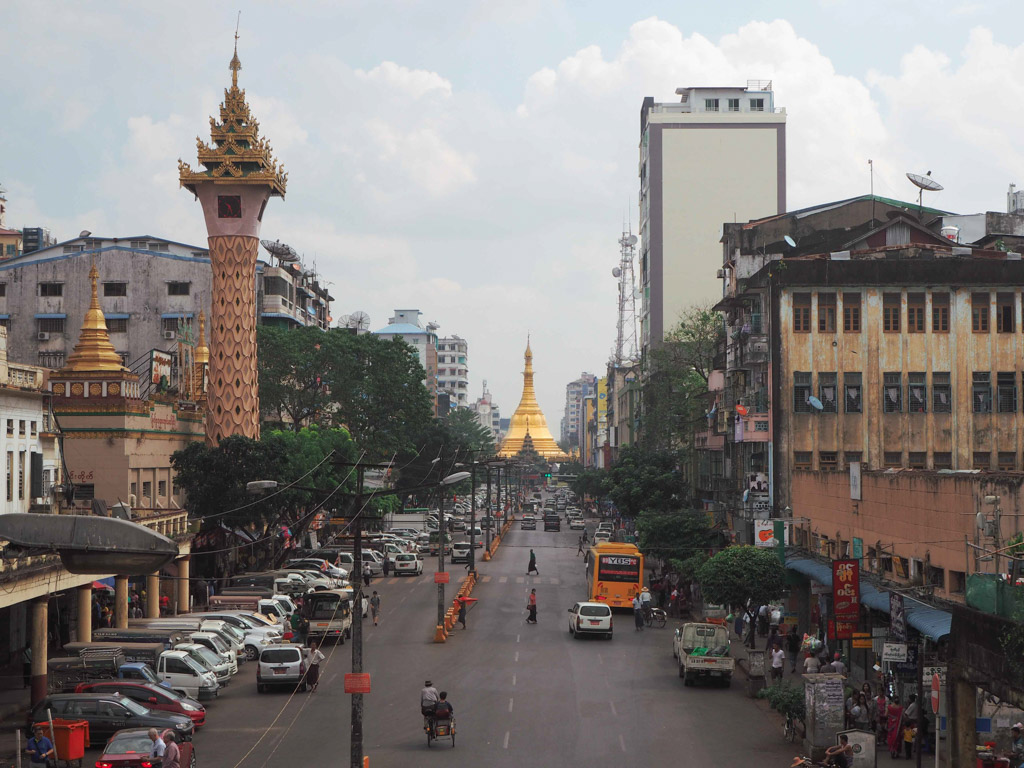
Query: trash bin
[[70, 737]]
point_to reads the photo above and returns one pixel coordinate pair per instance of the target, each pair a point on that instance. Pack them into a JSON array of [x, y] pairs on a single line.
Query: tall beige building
[[719, 154]]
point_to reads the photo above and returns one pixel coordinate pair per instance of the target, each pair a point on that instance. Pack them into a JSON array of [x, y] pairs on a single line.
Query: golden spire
[[528, 424], [235, 64], [202, 353], [94, 352]]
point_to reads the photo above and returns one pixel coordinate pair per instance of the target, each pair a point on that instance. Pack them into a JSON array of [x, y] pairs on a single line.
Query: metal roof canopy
[[88, 544]]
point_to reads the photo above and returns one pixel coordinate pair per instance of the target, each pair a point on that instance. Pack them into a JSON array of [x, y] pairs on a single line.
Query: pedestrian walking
[[313, 659], [778, 661], [367, 574], [638, 613], [462, 613], [773, 638], [297, 626], [531, 606], [673, 602], [39, 748], [580, 550], [532, 567], [793, 646], [811, 664], [375, 607], [172, 754], [837, 665], [387, 565]]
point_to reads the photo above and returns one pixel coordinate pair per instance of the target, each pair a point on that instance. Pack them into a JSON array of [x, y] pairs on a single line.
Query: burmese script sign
[[846, 590]]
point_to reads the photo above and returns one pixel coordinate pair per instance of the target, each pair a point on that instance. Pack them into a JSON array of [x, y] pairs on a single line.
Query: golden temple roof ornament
[[238, 154], [528, 424], [94, 353]]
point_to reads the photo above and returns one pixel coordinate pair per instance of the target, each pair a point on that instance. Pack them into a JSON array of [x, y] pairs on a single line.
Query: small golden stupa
[[528, 424]]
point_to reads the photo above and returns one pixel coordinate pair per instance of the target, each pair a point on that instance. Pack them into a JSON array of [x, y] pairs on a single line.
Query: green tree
[[646, 480], [675, 536], [590, 482], [743, 578], [467, 431], [292, 367]]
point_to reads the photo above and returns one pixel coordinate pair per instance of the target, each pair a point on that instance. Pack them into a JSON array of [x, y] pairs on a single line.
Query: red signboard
[[846, 590], [357, 682], [442, 577], [844, 630]]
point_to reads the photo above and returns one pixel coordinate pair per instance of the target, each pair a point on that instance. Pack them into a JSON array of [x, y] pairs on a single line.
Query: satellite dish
[[359, 319], [746, 495], [925, 182], [741, 409], [84, 233], [815, 403], [283, 252], [616, 272], [631, 240], [790, 241]]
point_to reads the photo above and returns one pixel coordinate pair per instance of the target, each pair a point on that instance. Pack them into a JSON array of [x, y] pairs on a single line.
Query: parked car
[[107, 713], [319, 564], [130, 748], [281, 665], [478, 536], [460, 552], [408, 563], [151, 696]]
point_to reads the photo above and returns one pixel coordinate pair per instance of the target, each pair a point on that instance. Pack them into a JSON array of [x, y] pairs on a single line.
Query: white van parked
[[185, 675]]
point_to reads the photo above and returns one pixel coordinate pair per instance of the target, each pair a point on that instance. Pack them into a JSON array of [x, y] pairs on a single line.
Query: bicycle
[[655, 617], [789, 729]]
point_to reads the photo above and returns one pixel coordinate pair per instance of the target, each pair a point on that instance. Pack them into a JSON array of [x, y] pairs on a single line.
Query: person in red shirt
[[532, 607]]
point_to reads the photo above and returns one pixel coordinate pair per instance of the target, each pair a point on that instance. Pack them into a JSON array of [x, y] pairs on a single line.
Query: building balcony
[[172, 523], [753, 428], [709, 441]]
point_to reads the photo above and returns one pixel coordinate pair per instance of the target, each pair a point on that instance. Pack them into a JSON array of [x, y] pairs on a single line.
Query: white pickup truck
[[703, 653]]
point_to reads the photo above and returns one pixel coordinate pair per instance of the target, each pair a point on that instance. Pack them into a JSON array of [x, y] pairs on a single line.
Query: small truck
[[703, 653]]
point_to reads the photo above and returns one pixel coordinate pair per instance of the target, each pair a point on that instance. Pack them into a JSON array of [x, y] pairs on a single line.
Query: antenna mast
[[625, 337]]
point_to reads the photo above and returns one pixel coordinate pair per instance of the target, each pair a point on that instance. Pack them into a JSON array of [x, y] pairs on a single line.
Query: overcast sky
[[477, 159]]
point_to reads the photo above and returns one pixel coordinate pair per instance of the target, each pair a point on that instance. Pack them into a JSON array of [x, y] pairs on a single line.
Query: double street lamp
[[442, 534]]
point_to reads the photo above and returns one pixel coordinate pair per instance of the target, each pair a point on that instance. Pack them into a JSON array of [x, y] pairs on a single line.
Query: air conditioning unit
[[43, 336], [170, 335]]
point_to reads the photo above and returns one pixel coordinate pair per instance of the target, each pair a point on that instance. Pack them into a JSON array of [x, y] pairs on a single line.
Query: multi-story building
[[623, 407], [488, 413], [719, 154], [575, 392], [405, 326], [453, 369], [152, 288]]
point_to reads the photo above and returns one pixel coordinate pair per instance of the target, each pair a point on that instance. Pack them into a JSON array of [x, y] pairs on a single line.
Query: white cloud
[[411, 82]]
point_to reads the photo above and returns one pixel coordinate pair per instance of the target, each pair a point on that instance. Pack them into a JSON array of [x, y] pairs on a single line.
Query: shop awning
[[931, 622], [50, 316]]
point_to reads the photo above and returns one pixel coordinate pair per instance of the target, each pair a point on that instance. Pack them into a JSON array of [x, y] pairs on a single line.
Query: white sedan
[[408, 564], [590, 619]]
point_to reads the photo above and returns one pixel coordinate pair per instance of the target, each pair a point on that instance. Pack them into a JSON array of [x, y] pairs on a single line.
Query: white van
[[215, 643], [185, 675], [208, 659]]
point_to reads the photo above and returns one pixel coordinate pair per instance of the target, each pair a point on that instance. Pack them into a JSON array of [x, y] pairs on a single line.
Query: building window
[[51, 325], [935, 577], [917, 459], [891, 312], [917, 392], [34, 428], [957, 582], [5, 322], [10, 427], [981, 392], [1006, 392], [942, 393], [115, 289], [757, 105], [1006, 307], [915, 313], [826, 313], [734, 105], [801, 391], [801, 459], [3, 290], [851, 312], [828, 461], [892, 459], [940, 313], [711, 105], [21, 475], [979, 312], [892, 393], [172, 323], [133, 489], [827, 392], [851, 457], [147, 491], [51, 289], [1007, 460], [161, 489], [801, 313], [175, 288], [117, 325], [852, 385], [942, 460], [21, 428], [982, 460], [10, 475], [51, 359]]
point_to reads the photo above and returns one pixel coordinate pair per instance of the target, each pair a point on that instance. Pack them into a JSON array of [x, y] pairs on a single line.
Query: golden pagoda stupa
[[528, 425]]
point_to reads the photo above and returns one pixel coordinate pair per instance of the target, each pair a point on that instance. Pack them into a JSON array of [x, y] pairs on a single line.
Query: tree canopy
[[675, 536], [645, 480], [746, 577]]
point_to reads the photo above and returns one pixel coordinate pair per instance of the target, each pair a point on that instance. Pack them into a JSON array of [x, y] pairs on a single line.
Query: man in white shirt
[[778, 661], [838, 666], [159, 748]]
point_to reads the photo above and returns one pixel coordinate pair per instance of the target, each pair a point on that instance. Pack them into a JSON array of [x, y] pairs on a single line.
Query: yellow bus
[[615, 573]]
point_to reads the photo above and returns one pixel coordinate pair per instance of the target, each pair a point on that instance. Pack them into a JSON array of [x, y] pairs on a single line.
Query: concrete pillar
[[962, 710], [183, 584], [38, 645], [85, 613], [121, 602], [153, 596]]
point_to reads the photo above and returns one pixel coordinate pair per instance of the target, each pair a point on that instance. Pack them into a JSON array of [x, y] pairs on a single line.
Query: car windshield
[[134, 707], [595, 610], [280, 655], [146, 673], [194, 665], [208, 656], [129, 744], [217, 643]]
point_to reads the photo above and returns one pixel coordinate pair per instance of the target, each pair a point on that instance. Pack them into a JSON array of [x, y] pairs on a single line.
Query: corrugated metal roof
[[405, 329], [932, 622]]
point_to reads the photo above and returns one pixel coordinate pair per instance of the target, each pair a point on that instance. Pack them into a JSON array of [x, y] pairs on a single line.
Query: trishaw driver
[[428, 700]]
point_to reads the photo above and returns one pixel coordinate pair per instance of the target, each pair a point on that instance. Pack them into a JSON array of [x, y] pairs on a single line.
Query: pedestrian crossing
[[428, 578]]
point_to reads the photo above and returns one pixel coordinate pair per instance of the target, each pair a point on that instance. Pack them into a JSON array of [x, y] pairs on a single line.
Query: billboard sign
[[846, 590]]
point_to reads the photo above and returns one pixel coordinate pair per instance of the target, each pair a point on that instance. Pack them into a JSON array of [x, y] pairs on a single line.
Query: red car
[[130, 748], [151, 697]]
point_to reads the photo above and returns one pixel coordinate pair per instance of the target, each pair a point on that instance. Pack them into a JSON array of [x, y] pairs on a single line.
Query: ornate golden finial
[[94, 352], [202, 350], [235, 64]]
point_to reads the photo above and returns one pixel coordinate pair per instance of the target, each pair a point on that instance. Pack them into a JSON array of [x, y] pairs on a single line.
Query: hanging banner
[[846, 590], [897, 618]]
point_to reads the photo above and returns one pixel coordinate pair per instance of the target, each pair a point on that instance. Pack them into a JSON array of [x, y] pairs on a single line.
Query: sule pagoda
[[528, 425]]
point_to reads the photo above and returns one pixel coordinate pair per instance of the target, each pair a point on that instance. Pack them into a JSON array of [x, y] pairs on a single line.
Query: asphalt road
[[523, 694]]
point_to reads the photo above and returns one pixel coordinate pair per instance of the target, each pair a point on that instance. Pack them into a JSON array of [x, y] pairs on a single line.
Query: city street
[[521, 692]]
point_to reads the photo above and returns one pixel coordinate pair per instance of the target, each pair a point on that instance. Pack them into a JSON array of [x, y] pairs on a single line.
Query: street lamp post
[[487, 508], [472, 521], [457, 477]]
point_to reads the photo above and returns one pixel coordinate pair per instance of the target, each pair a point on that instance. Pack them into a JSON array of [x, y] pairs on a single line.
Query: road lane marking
[[503, 579], [485, 579], [510, 705], [506, 739], [554, 581], [517, 655], [622, 743], [403, 599], [614, 712], [393, 580], [599, 659], [513, 679], [520, 579], [517, 638]]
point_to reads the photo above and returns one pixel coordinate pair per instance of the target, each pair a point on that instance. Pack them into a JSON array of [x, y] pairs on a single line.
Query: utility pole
[[357, 622], [499, 511], [487, 511], [441, 529], [472, 520]]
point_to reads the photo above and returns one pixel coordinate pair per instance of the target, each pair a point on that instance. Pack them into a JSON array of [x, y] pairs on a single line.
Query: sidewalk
[[739, 652], [14, 707]]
